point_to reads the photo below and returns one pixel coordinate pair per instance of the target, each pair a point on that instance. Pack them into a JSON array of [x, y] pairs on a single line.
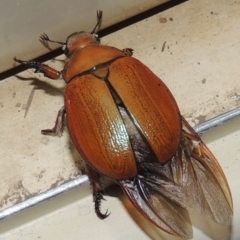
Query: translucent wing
[[161, 201], [196, 169], [153, 190]]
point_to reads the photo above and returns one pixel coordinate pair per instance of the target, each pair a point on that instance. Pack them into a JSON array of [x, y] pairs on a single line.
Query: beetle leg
[[42, 68], [98, 192], [44, 38], [59, 124], [128, 52]]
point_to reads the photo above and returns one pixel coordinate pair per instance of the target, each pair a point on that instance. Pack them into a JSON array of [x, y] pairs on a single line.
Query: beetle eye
[[64, 47], [66, 51], [96, 38], [95, 35]]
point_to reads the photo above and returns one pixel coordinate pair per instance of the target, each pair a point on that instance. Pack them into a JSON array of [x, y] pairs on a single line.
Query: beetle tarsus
[[99, 19], [44, 37], [33, 64], [94, 178], [98, 197], [40, 67], [99, 14]]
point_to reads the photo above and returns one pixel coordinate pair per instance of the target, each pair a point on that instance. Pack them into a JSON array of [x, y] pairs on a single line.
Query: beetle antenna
[[44, 37], [99, 21]]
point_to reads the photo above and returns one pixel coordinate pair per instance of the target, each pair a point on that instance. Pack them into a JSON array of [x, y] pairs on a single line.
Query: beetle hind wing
[[204, 183], [191, 178], [161, 201]]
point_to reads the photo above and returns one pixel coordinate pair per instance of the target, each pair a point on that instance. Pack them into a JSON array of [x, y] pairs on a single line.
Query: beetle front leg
[[59, 124], [42, 68], [98, 192]]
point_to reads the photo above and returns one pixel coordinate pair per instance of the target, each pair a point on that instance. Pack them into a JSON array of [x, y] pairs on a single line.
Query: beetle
[[126, 124]]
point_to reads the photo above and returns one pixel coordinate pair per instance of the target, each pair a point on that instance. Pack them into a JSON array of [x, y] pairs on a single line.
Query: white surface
[[71, 216], [200, 64]]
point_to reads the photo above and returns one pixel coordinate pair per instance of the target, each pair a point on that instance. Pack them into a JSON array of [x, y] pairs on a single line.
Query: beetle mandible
[[125, 123]]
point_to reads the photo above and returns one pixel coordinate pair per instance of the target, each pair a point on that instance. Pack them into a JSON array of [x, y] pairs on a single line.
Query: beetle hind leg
[[98, 192], [98, 197]]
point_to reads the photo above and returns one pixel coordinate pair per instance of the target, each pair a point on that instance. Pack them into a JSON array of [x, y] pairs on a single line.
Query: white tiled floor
[[70, 216], [200, 64]]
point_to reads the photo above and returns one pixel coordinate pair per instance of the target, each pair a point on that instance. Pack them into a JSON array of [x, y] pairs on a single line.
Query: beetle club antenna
[[99, 21]]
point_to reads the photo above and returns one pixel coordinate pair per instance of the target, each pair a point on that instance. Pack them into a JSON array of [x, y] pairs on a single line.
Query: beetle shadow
[[50, 89], [76, 158], [42, 85], [57, 91]]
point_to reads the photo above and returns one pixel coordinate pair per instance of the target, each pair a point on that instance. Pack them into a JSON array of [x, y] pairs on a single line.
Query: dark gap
[[101, 33]]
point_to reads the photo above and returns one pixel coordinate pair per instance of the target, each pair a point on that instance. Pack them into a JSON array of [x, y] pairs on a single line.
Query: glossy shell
[[94, 122]]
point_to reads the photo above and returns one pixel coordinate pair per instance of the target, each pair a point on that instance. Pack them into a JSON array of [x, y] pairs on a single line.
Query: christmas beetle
[[125, 123]]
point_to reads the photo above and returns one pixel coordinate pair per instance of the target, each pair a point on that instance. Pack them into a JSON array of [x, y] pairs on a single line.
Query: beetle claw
[[102, 215], [19, 61], [99, 14], [97, 199], [99, 19], [44, 37], [32, 64]]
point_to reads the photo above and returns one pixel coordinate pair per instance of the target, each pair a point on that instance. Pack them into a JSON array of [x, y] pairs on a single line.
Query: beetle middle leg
[[98, 192], [42, 68], [59, 124]]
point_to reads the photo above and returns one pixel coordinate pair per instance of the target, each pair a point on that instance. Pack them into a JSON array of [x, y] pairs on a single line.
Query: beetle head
[[79, 40]]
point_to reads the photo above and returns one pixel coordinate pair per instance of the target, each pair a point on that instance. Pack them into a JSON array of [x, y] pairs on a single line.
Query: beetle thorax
[[80, 40]]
